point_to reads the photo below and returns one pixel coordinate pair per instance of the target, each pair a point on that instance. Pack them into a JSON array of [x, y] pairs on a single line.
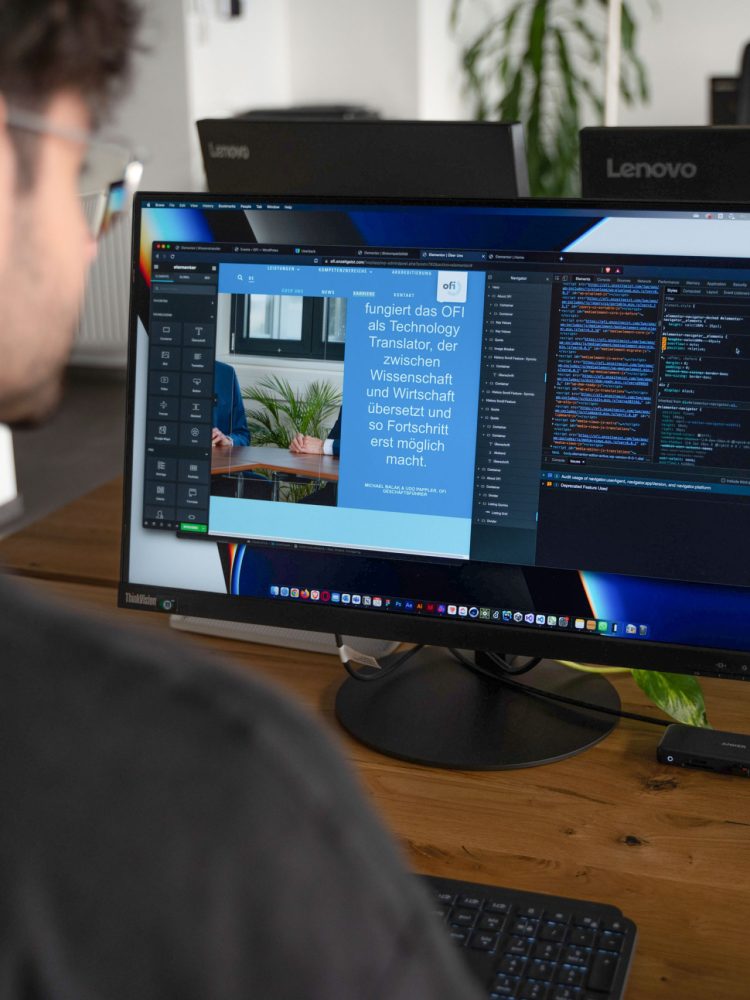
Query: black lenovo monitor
[[677, 163], [729, 96], [376, 158], [535, 439]]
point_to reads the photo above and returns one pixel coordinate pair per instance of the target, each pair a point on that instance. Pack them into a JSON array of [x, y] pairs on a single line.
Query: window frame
[[312, 344]]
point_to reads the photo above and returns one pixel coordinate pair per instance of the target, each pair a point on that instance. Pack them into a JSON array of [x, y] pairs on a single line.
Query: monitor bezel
[[438, 631]]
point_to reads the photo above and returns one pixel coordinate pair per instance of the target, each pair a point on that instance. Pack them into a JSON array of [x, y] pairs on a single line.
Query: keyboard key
[[566, 993], [463, 918], [552, 932], [602, 971], [525, 928], [541, 970], [497, 906], [610, 941], [483, 941], [618, 926], [557, 916], [518, 946], [505, 986], [547, 951], [457, 935], [571, 975], [535, 991], [533, 912], [470, 902], [585, 920], [582, 935], [512, 965], [491, 922], [575, 955]]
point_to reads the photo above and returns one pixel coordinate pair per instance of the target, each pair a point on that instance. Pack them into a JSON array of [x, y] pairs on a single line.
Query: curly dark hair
[[47, 46]]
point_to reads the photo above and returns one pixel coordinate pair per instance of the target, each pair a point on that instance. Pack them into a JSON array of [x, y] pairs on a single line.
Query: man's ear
[[7, 183]]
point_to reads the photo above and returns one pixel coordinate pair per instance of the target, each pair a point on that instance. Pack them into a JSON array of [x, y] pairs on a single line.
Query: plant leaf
[[679, 695], [281, 412], [540, 62]]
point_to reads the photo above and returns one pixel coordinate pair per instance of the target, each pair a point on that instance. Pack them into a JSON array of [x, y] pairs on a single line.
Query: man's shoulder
[[59, 659]]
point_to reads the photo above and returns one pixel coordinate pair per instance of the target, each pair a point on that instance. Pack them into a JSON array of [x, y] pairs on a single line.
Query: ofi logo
[[687, 171], [228, 152], [450, 286]]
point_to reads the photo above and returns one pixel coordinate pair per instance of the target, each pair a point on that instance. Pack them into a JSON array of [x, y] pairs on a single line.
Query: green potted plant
[[280, 411], [541, 62]]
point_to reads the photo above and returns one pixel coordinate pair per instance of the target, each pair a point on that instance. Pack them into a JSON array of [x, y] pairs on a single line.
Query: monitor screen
[[520, 427]]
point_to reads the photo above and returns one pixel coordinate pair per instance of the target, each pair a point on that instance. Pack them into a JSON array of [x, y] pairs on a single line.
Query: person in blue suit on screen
[[229, 420]]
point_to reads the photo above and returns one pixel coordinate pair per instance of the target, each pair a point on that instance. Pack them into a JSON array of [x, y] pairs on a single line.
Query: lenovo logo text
[[228, 152], [628, 171]]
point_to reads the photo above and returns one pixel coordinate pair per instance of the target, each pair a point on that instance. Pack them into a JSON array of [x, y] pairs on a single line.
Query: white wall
[[355, 51], [155, 113], [240, 63], [440, 84]]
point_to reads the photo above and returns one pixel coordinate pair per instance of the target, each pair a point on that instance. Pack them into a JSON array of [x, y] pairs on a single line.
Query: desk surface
[[240, 458], [670, 847]]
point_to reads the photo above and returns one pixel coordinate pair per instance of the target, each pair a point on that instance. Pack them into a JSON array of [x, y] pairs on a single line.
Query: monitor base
[[436, 712]]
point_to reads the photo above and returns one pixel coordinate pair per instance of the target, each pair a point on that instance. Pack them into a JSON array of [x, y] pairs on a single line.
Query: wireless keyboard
[[530, 946]]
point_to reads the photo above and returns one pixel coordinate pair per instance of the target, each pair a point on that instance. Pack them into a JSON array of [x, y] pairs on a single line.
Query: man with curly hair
[[170, 828]]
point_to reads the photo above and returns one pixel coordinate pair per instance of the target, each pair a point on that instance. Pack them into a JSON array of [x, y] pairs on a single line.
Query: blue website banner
[[359, 529], [411, 386]]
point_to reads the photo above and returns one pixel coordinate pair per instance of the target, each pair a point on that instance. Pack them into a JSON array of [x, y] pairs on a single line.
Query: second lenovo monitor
[[362, 159], [680, 163]]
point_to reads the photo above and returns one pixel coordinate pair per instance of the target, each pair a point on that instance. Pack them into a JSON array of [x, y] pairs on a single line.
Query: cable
[[507, 667], [348, 656], [508, 671], [537, 693]]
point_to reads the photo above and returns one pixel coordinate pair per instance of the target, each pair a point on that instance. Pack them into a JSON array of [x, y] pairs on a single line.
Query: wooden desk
[[670, 847], [241, 459]]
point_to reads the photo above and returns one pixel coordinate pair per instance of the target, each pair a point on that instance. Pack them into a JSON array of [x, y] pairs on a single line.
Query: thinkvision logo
[[140, 599], [628, 171], [228, 152], [737, 746]]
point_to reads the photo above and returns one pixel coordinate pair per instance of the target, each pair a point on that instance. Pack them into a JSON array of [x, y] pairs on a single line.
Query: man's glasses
[[110, 176]]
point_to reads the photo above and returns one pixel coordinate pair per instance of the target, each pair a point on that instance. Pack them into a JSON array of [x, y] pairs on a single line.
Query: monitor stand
[[434, 711], [272, 635]]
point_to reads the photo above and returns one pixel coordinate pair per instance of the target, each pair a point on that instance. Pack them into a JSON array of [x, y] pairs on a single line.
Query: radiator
[[102, 335]]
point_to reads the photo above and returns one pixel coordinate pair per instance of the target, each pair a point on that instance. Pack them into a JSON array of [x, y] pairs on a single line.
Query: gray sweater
[[173, 829]]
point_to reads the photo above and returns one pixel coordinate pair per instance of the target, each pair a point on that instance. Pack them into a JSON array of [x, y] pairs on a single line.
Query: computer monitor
[[541, 447], [729, 96], [675, 163], [365, 158]]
